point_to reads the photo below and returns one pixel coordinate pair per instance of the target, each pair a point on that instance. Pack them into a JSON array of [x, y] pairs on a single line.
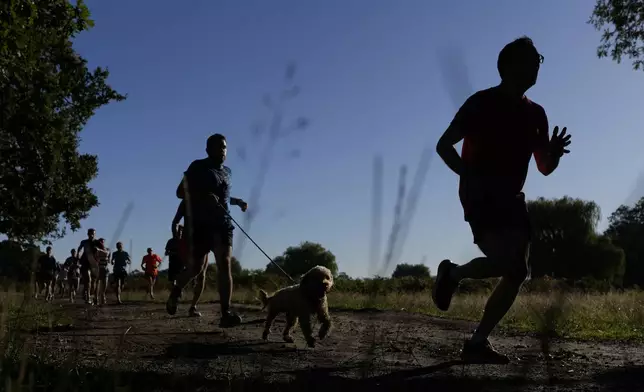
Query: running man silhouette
[[501, 129], [120, 260], [205, 187], [88, 264], [150, 264]]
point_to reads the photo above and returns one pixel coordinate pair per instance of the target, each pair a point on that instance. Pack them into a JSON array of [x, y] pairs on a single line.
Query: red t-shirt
[[501, 135], [151, 263]]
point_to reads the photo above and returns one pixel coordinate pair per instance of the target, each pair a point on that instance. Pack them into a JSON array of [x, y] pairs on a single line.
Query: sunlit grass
[[618, 316]]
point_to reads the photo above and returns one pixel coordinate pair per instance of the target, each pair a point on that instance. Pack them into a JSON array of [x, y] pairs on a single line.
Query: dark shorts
[[206, 238], [499, 215], [46, 276], [120, 274]]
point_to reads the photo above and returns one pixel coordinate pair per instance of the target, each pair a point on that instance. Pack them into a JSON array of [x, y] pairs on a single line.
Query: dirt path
[[140, 345]]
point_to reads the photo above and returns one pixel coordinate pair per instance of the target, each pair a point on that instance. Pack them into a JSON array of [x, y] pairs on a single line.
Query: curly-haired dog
[[301, 301]]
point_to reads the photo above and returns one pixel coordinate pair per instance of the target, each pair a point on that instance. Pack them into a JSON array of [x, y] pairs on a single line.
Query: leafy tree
[[47, 95], [17, 261], [235, 266], [414, 270], [622, 26], [343, 276], [296, 260], [626, 230], [565, 243]]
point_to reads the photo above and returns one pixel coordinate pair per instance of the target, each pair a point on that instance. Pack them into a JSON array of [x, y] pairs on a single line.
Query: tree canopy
[[626, 230], [296, 260], [566, 244], [47, 96], [413, 270], [622, 25]]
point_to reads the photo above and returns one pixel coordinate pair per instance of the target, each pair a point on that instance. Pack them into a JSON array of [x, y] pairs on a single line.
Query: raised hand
[[243, 205], [559, 142]]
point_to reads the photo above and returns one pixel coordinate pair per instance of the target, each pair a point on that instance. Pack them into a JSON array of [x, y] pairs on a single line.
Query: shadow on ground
[[39, 376], [213, 350], [623, 378]]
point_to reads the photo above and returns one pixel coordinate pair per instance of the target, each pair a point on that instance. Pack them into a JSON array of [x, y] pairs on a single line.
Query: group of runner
[[501, 130], [89, 266]]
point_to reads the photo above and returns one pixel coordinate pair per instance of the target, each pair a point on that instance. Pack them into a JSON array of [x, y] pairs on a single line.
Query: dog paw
[[288, 339], [310, 342]]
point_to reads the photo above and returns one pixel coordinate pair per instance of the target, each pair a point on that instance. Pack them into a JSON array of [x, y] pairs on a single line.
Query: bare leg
[[507, 254], [152, 279], [119, 288], [193, 269], [200, 283], [223, 256]]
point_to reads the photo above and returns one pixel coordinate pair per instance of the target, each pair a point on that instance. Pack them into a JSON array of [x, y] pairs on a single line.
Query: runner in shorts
[[205, 188], [120, 261], [501, 130], [61, 280], [88, 264], [103, 257], [73, 275], [175, 264], [45, 276], [150, 264]]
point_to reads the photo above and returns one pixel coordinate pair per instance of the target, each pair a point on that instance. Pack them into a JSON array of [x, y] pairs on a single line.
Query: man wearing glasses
[[501, 130]]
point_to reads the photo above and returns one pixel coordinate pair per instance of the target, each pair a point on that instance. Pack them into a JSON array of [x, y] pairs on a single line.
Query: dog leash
[[243, 231], [255, 243]]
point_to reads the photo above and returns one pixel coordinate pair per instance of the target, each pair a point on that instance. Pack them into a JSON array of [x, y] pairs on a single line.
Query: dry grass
[[618, 316], [583, 316]]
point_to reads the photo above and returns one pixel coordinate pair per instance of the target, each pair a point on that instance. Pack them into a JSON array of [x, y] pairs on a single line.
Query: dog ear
[[306, 280]]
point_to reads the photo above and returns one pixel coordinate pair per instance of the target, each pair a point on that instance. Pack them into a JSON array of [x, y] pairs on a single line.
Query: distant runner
[[501, 130], [61, 280], [103, 257], [205, 188], [150, 265], [173, 246], [72, 264], [120, 261], [46, 273], [89, 265]]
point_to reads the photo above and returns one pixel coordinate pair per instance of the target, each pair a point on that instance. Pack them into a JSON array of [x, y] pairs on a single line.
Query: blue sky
[[371, 83]]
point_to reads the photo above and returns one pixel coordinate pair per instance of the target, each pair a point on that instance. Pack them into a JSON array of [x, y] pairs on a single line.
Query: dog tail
[[263, 296]]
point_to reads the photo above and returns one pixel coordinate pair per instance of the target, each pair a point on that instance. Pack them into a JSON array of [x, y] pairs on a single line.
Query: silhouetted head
[[73, 252], [48, 250], [149, 251], [519, 63], [216, 147], [101, 241], [91, 233], [119, 246]]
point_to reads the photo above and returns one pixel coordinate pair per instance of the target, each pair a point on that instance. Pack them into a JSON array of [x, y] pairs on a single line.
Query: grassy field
[[611, 316], [608, 317]]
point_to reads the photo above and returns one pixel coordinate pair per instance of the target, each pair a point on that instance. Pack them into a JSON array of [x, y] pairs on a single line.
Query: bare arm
[[445, 148], [546, 162], [180, 191], [464, 122]]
